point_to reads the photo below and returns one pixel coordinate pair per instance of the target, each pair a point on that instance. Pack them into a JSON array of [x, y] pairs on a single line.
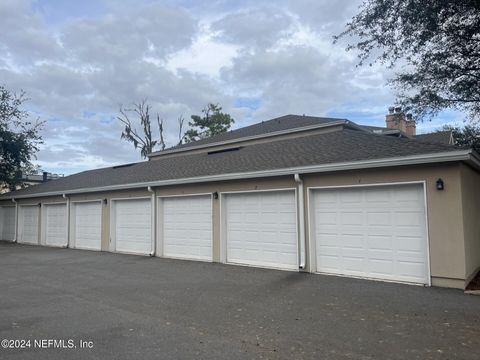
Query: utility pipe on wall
[[301, 220], [16, 219], [153, 221], [68, 219]]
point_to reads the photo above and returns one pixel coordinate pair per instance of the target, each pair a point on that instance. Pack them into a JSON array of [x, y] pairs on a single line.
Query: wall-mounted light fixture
[[105, 201], [439, 184], [215, 195], [39, 204]]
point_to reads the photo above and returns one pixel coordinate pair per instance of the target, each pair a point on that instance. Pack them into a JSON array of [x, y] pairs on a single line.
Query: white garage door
[[56, 225], [28, 224], [133, 226], [7, 223], [87, 229], [187, 227], [377, 232], [261, 229]]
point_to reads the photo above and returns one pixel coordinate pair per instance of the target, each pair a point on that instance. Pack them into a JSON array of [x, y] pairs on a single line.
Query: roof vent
[[122, 166], [224, 150]]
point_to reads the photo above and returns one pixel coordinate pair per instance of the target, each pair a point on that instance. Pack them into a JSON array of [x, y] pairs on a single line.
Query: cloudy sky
[[79, 61]]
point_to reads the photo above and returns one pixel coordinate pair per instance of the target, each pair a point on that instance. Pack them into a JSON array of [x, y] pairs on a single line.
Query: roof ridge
[[211, 140]]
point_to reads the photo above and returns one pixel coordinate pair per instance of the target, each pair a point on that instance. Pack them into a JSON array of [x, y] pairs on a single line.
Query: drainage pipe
[[153, 221], [16, 219], [68, 219], [301, 220]]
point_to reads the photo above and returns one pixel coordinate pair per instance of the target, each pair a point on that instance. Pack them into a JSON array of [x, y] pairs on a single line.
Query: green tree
[[19, 139], [437, 44], [467, 136], [212, 122]]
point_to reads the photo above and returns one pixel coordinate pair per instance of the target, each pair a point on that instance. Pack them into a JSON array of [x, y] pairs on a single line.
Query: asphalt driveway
[[133, 307]]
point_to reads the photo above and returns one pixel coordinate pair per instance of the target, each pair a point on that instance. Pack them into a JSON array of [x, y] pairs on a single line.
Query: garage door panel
[[261, 229], [350, 197], [409, 219], [329, 240], [352, 241], [88, 225], [187, 227], [381, 266], [284, 238], [327, 218], [351, 218], [409, 268], [329, 261], [28, 226], [354, 263], [380, 243], [383, 237], [328, 199], [56, 225], [379, 218], [411, 246], [7, 223], [133, 226], [377, 197]]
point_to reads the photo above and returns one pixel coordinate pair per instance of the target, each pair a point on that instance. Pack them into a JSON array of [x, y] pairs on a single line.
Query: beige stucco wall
[[445, 211], [470, 183]]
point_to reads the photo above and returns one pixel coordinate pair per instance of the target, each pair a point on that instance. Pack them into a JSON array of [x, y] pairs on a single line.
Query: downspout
[[16, 219], [301, 220], [153, 221], [68, 219]]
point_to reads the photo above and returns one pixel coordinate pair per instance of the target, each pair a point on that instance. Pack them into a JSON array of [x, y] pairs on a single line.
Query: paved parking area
[[138, 307]]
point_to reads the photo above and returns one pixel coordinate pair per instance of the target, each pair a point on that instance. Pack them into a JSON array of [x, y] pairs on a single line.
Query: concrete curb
[[472, 292]]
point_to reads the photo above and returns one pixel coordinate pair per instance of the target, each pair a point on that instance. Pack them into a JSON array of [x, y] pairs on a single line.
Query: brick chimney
[[396, 119], [411, 126]]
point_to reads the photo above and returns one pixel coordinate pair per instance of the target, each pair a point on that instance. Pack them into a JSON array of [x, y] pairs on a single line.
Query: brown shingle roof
[[327, 148], [286, 122], [438, 137]]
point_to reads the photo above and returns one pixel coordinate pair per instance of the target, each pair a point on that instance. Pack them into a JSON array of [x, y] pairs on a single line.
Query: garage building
[[295, 193]]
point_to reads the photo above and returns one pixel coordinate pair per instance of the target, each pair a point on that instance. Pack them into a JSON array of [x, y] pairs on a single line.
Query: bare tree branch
[[139, 113], [160, 129], [180, 120]]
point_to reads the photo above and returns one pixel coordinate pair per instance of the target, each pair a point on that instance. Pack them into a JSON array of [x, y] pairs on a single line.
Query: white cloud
[[205, 56], [256, 59]]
